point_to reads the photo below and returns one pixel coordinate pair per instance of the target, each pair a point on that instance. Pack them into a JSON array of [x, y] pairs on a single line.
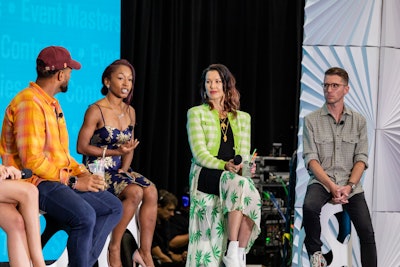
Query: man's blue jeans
[[91, 216], [358, 211]]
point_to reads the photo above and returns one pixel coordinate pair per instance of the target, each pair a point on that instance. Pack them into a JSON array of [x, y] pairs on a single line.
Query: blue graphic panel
[[90, 30]]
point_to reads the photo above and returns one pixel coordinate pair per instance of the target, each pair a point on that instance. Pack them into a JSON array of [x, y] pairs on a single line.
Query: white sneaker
[[242, 257], [231, 259], [318, 260]]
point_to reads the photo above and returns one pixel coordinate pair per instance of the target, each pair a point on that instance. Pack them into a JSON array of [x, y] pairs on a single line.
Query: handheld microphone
[[237, 160], [25, 174]]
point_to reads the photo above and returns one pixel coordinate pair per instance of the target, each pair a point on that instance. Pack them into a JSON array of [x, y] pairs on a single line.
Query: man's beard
[[64, 88]]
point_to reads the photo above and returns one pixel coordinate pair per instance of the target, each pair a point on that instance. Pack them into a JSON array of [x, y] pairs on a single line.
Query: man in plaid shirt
[[34, 136], [336, 154]]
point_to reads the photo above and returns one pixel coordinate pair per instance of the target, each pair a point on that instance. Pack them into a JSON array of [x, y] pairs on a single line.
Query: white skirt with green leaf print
[[208, 231]]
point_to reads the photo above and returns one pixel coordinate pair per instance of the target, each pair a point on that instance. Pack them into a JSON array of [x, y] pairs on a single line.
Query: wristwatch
[[72, 182], [352, 185]]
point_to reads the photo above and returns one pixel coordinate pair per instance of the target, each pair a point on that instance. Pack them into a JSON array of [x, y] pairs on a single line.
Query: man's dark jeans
[[90, 217], [315, 198]]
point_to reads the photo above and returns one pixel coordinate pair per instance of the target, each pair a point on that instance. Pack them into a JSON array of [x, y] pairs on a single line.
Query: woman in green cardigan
[[225, 206]]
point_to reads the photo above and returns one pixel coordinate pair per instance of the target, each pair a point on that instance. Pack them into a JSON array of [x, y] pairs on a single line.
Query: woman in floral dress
[[107, 135], [225, 206]]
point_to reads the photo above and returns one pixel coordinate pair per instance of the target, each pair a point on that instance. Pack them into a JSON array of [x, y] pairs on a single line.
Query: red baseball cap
[[56, 58]]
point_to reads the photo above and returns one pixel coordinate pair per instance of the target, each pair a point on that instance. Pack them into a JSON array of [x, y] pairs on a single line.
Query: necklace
[[224, 128], [119, 115]]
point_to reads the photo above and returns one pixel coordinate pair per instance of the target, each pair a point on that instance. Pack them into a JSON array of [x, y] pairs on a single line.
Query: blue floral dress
[[112, 138]]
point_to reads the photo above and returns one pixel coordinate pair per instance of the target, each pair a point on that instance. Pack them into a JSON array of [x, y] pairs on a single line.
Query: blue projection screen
[[89, 29]]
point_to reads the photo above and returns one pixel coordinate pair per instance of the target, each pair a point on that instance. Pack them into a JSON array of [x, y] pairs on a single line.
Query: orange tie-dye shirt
[[34, 136]]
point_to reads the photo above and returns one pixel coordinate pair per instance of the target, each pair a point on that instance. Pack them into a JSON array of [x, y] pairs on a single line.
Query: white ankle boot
[[231, 258], [242, 257]]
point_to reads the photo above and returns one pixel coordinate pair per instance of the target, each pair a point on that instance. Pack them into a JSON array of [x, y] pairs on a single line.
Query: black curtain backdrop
[[171, 42]]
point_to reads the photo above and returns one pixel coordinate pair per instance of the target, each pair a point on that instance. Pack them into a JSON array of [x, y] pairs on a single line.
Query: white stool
[[342, 252]]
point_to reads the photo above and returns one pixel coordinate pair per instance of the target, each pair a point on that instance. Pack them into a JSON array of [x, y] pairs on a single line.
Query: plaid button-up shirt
[[336, 146], [34, 136]]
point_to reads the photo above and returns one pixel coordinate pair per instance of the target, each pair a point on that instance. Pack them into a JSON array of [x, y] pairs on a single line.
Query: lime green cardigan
[[204, 135]]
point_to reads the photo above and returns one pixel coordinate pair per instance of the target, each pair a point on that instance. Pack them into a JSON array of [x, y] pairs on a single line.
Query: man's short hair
[[339, 72]]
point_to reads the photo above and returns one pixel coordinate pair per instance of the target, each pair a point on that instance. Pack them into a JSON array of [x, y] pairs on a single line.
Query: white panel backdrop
[[362, 37]]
